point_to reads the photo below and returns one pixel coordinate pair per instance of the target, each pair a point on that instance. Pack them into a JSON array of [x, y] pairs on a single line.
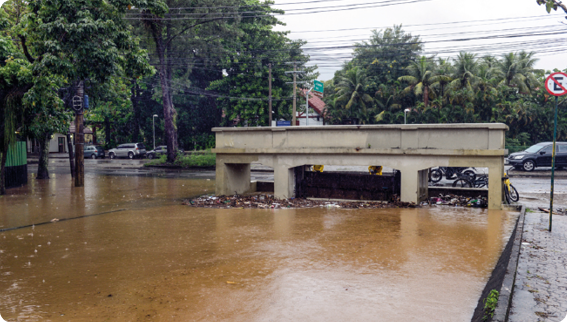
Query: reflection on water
[[161, 261]]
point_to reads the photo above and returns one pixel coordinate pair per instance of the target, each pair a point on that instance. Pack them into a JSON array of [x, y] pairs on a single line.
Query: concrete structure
[[58, 142], [412, 149]]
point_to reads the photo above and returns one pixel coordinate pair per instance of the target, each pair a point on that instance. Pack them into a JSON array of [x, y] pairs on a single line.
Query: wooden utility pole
[[70, 150], [270, 95], [79, 137]]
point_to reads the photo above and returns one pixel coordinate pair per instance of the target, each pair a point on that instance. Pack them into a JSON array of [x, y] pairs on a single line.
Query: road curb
[[505, 299]]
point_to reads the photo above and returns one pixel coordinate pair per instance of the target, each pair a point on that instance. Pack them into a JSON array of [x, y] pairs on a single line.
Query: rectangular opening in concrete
[[347, 185]]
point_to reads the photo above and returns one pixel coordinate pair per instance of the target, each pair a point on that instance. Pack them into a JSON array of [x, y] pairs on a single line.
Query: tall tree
[[386, 54], [189, 31], [247, 65], [78, 41], [15, 80]]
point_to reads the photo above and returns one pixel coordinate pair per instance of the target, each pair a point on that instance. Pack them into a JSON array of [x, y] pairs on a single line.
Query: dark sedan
[[93, 152], [539, 155]]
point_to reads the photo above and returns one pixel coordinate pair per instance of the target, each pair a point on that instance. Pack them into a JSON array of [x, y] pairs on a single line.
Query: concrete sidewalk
[[540, 291]]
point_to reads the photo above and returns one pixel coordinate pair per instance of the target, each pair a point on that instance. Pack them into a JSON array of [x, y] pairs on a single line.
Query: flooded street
[[137, 254]]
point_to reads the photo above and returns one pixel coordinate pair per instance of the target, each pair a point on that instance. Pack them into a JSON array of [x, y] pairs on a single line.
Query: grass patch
[[490, 304], [194, 159]]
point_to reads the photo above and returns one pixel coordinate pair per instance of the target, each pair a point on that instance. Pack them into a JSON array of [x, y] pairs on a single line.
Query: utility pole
[[294, 72], [70, 149], [270, 95], [79, 137], [294, 98], [307, 105]]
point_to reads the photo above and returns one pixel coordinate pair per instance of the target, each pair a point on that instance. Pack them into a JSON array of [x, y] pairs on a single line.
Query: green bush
[[197, 159], [159, 161], [193, 159]]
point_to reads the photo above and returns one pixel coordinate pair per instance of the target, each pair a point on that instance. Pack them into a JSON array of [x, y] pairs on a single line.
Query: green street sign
[[318, 86]]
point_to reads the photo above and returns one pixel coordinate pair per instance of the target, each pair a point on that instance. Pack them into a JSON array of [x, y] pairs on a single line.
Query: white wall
[[53, 143]]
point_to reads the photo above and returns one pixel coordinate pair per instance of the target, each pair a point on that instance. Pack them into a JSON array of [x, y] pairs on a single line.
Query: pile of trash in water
[[459, 201], [270, 202]]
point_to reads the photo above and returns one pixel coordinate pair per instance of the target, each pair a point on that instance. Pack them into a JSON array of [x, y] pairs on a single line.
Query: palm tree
[[351, 91], [443, 71], [517, 70], [421, 78], [465, 69]]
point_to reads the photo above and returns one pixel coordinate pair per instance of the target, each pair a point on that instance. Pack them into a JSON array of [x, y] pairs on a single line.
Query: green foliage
[[463, 89], [490, 303], [195, 159], [245, 86], [159, 161]]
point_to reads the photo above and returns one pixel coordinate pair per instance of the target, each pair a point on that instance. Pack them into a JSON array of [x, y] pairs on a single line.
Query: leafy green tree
[[196, 30], [386, 54], [69, 43], [245, 85], [15, 80]]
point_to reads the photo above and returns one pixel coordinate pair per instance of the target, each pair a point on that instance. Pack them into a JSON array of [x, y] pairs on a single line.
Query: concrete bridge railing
[[412, 149]]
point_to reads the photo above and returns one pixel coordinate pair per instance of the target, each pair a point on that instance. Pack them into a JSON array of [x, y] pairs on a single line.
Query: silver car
[[128, 150]]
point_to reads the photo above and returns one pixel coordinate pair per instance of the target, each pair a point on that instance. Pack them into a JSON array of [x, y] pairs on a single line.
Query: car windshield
[[534, 148]]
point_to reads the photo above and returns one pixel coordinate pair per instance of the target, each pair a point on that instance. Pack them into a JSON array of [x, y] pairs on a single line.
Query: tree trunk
[[135, 98], [42, 172], [107, 132], [426, 96], [168, 110], [79, 143], [3, 158]]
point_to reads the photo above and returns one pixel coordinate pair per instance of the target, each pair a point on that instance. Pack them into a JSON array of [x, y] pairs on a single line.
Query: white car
[[128, 150]]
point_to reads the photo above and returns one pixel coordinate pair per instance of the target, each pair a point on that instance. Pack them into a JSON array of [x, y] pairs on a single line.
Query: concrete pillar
[[284, 182], [414, 185], [495, 174], [232, 178]]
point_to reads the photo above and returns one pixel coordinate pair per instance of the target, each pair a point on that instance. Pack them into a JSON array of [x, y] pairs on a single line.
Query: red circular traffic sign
[[556, 84]]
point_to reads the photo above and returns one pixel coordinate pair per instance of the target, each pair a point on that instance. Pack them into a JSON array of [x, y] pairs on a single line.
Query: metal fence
[[16, 165]]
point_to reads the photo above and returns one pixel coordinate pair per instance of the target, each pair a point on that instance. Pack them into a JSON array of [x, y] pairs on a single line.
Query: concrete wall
[[412, 149]]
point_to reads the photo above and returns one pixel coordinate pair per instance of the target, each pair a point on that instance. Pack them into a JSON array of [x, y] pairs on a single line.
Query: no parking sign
[[556, 84]]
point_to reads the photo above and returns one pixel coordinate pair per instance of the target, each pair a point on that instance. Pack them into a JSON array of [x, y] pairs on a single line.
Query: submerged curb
[[505, 299]]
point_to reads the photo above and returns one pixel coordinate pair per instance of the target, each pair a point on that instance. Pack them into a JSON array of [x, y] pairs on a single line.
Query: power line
[[221, 15]]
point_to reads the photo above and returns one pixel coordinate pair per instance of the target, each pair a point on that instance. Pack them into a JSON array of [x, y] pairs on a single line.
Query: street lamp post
[[405, 113], [154, 126]]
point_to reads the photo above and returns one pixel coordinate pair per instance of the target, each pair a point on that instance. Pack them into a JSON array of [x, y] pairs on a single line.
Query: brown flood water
[[156, 260]]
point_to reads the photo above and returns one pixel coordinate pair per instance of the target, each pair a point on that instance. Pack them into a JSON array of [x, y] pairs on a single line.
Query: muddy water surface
[[153, 259]]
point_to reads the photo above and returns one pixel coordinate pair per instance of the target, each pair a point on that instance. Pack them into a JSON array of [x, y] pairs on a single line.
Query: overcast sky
[[438, 22], [435, 20]]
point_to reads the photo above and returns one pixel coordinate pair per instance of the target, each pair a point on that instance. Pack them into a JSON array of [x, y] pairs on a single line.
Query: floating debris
[[270, 202], [459, 201]]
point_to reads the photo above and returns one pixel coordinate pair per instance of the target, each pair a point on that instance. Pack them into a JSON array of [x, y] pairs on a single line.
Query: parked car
[[93, 152], [160, 150], [128, 150], [539, 155]]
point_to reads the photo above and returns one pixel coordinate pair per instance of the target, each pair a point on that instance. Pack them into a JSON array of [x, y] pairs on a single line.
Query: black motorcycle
[[450, 173]]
